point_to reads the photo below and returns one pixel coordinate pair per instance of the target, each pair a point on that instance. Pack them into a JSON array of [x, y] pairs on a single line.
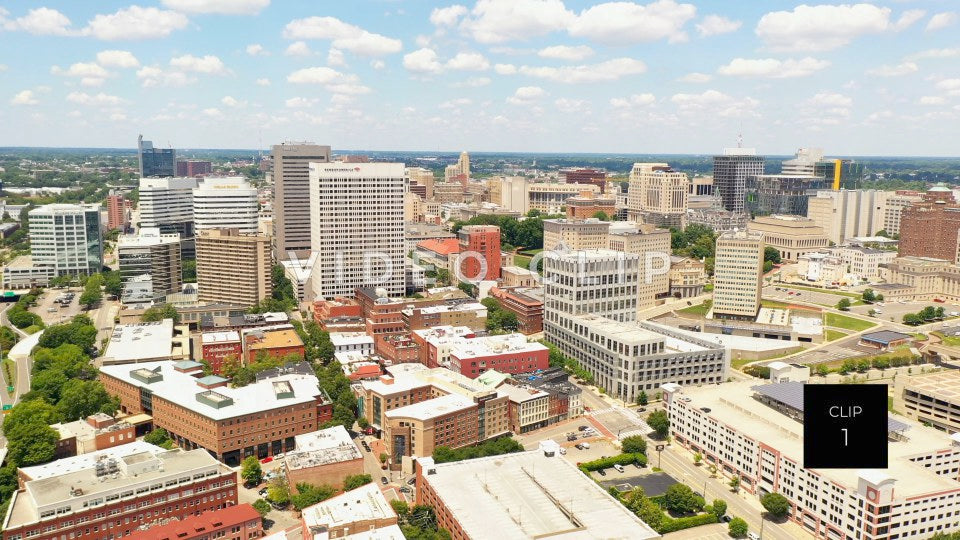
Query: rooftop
[[945, 385], [141, 341], [205, 522], [465, 306], [365, 503], [323, 447], [441, 246], [494, 345], [182, 388], [432, 408], [341, 339], [444, 334], [220, 337], [528, 495], [520, 394], [272, 339], [885, 336]]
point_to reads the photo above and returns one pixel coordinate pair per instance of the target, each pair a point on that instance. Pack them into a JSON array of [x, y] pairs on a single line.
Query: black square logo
[[845, 426]]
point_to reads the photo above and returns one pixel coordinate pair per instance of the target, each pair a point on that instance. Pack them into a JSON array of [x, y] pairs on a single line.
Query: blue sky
[[495, 75]]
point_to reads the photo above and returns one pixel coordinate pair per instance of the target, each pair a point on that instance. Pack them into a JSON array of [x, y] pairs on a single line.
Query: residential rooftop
[[365, 503], [494, 345], [323, 447], [343, 339], [273, 339], [220, 337]]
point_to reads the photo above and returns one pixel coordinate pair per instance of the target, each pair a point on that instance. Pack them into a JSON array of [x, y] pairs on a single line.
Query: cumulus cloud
[[209, 64], [301, 102], [609, 70], [717, 103], [43, 22], [256, 49], [941, 21], [342, 35], [422, 61], [81, 69], [467, 61], [25, 97], [526, 95], [331, 79], [473, 82], [505, 69], [155, 76], [493, 21], [263, 82], [714, 25], [903, 68], [135, 22], [224, 7], [933, 100], [636, 100], [447, 16], [772, 68], [231, 101], [100, 99], [622, 23], [695, 77], [298, 48], [335, 58], [825, 27], [115, 58], [566, 52]]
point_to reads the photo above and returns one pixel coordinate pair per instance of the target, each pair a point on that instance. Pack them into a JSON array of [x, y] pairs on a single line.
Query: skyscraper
[[156, 161], [730, 173], [116, 211], [151, 253], [737, 275], [225, 203], [291, 196], [67, 237], [657, 195], [356, 212], [233, 268], [167, 204]]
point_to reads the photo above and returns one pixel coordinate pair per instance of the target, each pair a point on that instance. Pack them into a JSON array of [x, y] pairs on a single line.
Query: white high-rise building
[[845, 214], [291, 196], [152, 253], [598, 281], [225, 203], [167, 204], [356, 213], [737, 274], [658, 195], [67, 237]]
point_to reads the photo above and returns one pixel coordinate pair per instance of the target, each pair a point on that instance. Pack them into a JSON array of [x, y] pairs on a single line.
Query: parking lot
[[783, 295], [653, 484], [622, 422], [52, 312], [894, 311]]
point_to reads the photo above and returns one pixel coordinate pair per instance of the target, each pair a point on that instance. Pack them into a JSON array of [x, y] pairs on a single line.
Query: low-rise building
[[352, 342], [436, 343], [358, 514], [930, 398], [259, 419], [509, 353], [687, 277], [113, 492], [397, 348], [590, 233], [528, 309], [922, 278], [217, 348], [22, 273], [324, 457], [791, 235], [528, 409], [466, 313], [484, 499], [240, 522], [565, 401], [276, 342], [884, 340], [147, 342], [338, 315], [516, 276], [95, 432], [587, 204]]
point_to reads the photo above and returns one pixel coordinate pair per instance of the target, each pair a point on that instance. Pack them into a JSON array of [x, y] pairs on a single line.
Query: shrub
[[606, 463], [678, 524]]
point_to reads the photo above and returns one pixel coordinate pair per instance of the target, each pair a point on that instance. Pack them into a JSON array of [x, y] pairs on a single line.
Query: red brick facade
[[239, 522]]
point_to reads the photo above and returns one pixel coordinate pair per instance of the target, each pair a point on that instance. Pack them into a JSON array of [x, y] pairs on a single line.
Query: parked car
[[563, 451], [262, 492], [267, 459], [618, 467], [571, 436], [583, 428], [383, 480], [586, 445], [578, 446], [753, 536], [637, 465], [601, 472], [412, 481], [726, 518], [405, 489]]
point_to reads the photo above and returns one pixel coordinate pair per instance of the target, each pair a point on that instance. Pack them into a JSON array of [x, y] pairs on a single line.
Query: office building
[[657, 195], [96, 432], [232, 267], [459, 171], [155, 254], [147, 342], [483, 241], [533, 494], [22, 273], [730, 174], [116, 211], [291, 195], [114, 492], [510, 193], [551, 197], [466, 313], [527, 308], [436, 343], [929, 228], [167, 204], [701, 186], [840, 173], [588, 204], [921, 279], [755, 433], [155, 161], [67, 238], [193, 167], [894, 204], [585, 175], [602, 281], [259, 419], [422, 177], [652, 244], [737, 275], [845, 214], [507, 353], [239, 522], [687, 277], [792, 236], [219, 348], [324, 457], [575, 234], [225, 203], [358, 233], [359, 514]]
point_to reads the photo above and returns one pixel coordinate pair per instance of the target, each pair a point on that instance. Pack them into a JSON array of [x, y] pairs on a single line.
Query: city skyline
[[531, 76]]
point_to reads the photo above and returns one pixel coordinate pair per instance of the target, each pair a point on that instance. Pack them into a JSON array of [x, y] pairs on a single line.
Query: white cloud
[[714, 25], [263, 82], [155, 76], [298, 48], [231, 101], [342, 35], [493, 21], [100, 99], [505, 69], [3, 67], [626, 23], [81, 69], [473, 82], [301, 102], [903, 68], [571, 106], [526, 95], [135, 22], [91, 81], [199, 64], [695, 77], [566, 52], [717, 103], [468, 62], [609, 70], [935, 53], [772, 68], [115, 58], [933, 100], [331, 79], [335, 58], [455, 103], [941, 21], [212, 112], [26, 97], [907, 19], [256, 49], [829, 99], [378, 64], [422, 61], [224, 7], [822, 27], [348, 88], [43, 22], [447, 16], [949, 84], [117, 117], [636, 100]]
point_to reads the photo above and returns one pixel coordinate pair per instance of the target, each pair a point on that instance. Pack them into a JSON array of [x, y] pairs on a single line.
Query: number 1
[[844, 430]]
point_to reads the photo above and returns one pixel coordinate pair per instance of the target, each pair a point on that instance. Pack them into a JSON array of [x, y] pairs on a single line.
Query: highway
[[23, 370]]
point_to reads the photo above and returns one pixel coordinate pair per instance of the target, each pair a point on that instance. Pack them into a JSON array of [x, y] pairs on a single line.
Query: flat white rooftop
[[494, 345], [323, 447], [141, 341], [528, 495], [444, 334], [209, 338], [342, 339], [366, 503], [432, 408]]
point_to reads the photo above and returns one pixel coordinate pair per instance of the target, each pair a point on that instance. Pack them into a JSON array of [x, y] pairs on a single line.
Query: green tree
[[642, 399], [401, 508], [92, 294], [822, 369], [601, 215], [77, 332], [112, 283], [80, 399], [775, 504], [734, 484], [159, 437], [844, 304], [680, 499], [309, 495], [160, 312], [660, 423], [634, 444], [423, 516], [48, 384], [28, 412], [262, 507], [32, 444], [719, 508], [737, 527], [771, 254], [189, 271], [697, 458], [869, 295], [251, 471], [279, 491], [354, 481]]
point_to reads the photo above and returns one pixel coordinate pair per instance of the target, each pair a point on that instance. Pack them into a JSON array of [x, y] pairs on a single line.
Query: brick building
[[116, 211], [483, 240], [360, 513], [339, 315], [529, 310], [323, 457], [219, 347], [96, 432], [397, 348], [582, 175], [510, 353], [239, 522], [259, 419], [466, 313], [274, 343], [435, 343], [929, 228], [587, 204], [193, 167]]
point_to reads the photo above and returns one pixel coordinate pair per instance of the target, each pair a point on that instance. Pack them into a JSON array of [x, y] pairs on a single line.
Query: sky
[[667, 76]]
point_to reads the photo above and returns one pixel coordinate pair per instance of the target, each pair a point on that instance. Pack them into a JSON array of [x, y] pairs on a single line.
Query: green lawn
[[522, 261], [848, 323], [774, 304], [827, 291], [831, 335], [951, 341], [701, 309]]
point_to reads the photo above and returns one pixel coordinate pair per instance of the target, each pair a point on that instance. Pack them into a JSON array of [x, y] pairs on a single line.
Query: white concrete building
[[351, 342], [167, 203], [598, 281], [737, 274], [356, 215], [155, 254], [67, 237], [657, 195], [290, 163], [225, 203], [845, 214]]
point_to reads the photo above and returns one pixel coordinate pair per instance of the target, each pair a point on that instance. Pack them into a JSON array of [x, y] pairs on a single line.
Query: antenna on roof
[[740, 136]]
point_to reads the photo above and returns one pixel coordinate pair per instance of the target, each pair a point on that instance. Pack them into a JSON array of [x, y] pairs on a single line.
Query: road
[[23, 371], [679, 463]]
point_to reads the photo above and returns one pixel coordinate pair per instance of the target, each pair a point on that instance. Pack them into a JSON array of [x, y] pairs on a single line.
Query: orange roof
[[200, 526], [445, 246]]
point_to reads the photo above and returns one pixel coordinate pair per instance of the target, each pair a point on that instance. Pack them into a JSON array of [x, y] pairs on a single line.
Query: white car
[[563, 451], [753, 536]]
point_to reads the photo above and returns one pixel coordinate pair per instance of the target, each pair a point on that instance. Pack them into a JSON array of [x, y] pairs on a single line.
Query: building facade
[[116, 211], [687, 277], [652, 244], [730, 174], [193, 167], [737, 275], [291, 195], [67, 238], [657, 195], [929, 228], [585, 175], [233, 268], [155, 254], [792, 235], [225, 203], [847, 214], [167, 204], [484, 240], [155, 161], [590, 233]]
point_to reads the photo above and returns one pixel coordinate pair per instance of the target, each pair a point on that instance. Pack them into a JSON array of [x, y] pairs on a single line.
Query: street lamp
[[659, 449]]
